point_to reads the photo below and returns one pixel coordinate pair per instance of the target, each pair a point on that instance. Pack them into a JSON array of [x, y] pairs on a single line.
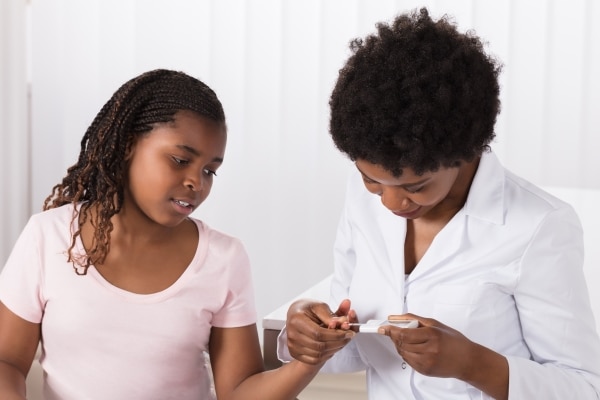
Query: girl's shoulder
[[55, 216], [216, 238], [53, 226]]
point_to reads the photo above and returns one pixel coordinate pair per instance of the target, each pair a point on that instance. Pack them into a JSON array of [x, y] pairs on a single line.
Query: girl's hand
[[315, 333]]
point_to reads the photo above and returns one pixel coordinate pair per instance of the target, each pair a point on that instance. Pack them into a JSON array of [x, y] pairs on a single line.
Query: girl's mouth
[[183, 207], [183, 203]]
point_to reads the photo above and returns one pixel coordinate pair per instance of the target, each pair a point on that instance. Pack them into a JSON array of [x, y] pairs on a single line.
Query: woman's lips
[[407, 214]]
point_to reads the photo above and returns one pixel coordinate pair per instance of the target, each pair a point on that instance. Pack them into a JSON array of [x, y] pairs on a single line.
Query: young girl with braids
[[123, 289]]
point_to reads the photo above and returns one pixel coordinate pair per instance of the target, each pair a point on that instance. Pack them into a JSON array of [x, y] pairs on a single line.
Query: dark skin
[[428, 202], [18, 343], [315, 333], [136, 262]]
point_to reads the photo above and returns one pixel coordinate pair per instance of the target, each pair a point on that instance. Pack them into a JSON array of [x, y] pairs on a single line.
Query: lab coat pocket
[[478, 310]]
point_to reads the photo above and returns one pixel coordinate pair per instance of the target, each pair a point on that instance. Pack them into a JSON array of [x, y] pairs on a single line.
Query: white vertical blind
[[14, 133], [273, 64]]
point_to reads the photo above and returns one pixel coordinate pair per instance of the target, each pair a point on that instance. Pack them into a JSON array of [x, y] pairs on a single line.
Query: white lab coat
[[506, 271]]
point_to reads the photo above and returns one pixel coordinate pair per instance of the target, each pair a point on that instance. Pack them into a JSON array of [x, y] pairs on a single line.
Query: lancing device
[[372, 325]]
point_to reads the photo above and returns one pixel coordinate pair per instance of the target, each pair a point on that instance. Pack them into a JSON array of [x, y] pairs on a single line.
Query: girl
[[122, 288]]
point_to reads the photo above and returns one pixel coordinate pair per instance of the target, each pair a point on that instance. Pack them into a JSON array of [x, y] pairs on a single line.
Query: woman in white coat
[[435, 229]]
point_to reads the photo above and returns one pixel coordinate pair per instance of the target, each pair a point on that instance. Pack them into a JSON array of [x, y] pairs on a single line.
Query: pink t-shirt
[[102, 342]]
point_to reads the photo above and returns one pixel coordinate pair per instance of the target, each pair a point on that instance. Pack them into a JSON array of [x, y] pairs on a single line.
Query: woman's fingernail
[[350, 334], [381, 331]]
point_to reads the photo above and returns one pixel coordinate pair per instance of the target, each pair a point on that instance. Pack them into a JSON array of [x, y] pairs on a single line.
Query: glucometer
[[372, 325]]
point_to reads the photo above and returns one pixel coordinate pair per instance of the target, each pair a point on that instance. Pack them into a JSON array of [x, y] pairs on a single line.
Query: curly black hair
[[417, 94], [99, 176]]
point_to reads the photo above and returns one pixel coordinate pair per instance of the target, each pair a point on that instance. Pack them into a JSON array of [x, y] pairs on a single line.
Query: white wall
[[273, 64]]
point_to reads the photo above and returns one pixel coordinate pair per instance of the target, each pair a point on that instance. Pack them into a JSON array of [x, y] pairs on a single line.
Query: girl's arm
[[18, 343], [238, 368]]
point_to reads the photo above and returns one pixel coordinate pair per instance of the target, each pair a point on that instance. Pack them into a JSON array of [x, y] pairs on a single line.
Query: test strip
[[372, 326]]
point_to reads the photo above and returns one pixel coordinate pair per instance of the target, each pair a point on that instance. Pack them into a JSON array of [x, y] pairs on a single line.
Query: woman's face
[[411, 196], [172, 167]]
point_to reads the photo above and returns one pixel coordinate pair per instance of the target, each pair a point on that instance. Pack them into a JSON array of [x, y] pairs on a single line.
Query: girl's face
[[171, 169], [411, 196]]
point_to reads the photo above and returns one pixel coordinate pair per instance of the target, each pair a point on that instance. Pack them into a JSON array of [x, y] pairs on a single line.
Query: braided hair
[[98, 178], [416, 94]]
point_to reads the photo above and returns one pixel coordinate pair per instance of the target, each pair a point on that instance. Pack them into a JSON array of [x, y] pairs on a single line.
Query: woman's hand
[[434, 349], [315, 333]]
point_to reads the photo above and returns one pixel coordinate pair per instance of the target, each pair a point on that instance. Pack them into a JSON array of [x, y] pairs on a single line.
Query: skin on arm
[[239, 373], [434, 349], [19, 340]]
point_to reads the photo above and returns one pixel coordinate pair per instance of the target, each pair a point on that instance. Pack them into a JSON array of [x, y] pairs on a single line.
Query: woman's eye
[[180, 161], [414, 190]]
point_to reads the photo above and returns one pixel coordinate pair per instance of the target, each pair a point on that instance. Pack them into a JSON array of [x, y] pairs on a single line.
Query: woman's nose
[[394, 200]]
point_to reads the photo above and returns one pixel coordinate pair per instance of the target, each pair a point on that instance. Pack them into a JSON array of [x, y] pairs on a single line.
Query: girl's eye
[[180, 161], [210, 172]]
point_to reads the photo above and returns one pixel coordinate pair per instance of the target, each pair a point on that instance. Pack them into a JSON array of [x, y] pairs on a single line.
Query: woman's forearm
[[488, 373]]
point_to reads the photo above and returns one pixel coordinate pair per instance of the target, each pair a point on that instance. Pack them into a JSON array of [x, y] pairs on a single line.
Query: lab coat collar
[[486, 200]]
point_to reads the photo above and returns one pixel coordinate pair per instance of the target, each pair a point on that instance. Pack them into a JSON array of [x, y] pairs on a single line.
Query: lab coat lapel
[[446, 244], [485, 202], [393, 229]]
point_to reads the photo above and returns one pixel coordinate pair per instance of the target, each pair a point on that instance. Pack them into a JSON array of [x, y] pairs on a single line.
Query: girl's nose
[[193, 183]]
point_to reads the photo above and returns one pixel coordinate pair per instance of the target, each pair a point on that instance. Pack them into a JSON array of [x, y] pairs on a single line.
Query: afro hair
[[417, 94]]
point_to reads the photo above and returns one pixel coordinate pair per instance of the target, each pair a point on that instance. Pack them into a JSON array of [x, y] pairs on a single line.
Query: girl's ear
[[129, 150]]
